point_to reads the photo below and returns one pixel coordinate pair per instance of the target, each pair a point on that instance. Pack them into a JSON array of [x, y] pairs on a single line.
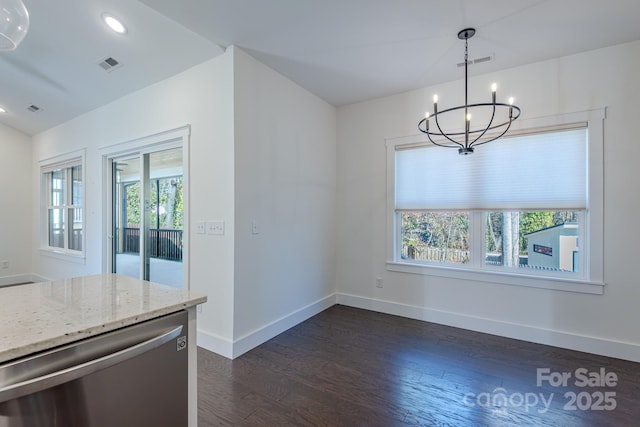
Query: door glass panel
[[127, 217], [165, 217]]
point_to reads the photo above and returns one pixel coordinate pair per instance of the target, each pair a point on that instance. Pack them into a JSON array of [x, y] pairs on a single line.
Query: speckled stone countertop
[[39, 316]]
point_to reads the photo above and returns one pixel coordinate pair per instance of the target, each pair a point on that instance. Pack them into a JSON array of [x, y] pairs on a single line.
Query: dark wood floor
[[351, 367]]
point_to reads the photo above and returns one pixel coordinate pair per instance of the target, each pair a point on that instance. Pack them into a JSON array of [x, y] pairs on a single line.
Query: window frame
[[64, 162], [589, 280]]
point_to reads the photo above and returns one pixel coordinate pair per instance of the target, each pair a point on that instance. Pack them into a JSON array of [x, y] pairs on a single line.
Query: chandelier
[[501, 115], [14, 23]]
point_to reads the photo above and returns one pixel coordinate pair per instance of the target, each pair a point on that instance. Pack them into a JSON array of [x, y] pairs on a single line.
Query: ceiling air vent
[[483, 59], [480, 60], [109, 64], [33, 108]]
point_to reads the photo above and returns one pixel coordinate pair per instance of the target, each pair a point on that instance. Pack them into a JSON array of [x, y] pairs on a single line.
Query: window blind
[[529, 172]]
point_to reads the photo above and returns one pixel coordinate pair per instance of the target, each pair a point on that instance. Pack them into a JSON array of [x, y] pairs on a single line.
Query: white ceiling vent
[[109, 64], [480, 60], [33, 108]]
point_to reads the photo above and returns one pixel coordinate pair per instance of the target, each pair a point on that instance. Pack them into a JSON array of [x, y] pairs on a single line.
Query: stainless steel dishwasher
[[135, 376]]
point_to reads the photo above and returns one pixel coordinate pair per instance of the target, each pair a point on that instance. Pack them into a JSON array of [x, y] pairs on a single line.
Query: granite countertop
[[39, 316]]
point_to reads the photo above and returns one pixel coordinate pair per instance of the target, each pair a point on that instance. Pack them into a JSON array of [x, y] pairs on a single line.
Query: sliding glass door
[[148, 215]]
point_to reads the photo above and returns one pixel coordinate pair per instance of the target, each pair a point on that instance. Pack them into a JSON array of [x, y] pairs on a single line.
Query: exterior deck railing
[[163, 243]]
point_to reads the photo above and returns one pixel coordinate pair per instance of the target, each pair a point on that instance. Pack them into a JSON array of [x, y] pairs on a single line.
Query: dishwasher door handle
[[34, 385]]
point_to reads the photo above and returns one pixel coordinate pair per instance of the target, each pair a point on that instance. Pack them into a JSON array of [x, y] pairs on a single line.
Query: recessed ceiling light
[[114, 23]]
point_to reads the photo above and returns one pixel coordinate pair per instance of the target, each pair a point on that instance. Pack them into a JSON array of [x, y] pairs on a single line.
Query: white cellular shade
[[538, 171]]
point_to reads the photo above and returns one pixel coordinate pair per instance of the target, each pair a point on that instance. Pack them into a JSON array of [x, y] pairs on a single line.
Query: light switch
[[254, 227], [200, 227], [215, 227]]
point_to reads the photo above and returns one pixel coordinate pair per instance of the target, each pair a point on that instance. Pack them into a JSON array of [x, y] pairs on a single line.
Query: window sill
[[64, 255], [499, 277]]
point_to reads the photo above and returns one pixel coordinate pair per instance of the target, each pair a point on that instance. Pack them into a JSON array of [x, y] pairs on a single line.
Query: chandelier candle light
[[465, 141]]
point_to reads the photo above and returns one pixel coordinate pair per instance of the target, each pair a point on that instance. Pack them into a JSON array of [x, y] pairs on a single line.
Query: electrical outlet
[[4, 264], [379, 282]]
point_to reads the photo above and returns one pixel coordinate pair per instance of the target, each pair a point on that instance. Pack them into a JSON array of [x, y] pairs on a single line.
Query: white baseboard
[[595, 345], [215, 344], [253, 339], [21, 278], [37, 278]]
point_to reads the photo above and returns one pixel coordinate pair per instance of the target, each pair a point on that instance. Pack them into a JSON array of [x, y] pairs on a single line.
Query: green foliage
[[534, 221], [133, 203], [171, 203], [436, 229]]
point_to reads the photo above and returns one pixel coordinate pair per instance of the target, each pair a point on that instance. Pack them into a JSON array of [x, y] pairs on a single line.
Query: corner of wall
[[232, 350]]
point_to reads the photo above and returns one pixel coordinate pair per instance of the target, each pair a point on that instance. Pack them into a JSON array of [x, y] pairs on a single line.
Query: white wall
[[15, 214], [285, 182], [201, 97], [598, 323], [262, 149]]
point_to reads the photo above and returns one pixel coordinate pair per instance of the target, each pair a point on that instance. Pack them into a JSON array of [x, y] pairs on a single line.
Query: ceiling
[[344, 51]]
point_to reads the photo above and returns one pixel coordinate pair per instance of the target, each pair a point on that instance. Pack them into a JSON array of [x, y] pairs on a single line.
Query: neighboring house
[[554, 248]]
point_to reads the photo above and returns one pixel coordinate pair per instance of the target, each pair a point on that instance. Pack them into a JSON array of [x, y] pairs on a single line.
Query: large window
[[522, 208], [543, 241], [63, 206]]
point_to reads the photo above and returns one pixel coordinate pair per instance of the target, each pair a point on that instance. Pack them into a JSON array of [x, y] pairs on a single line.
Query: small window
[[535, 241], [63, 206], [435, 236]]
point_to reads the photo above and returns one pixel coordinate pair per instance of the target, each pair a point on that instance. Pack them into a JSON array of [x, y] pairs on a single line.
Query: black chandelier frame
[[472, 137]]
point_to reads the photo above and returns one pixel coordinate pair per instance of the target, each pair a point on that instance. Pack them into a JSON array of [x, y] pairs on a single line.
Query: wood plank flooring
[[352, 367]]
